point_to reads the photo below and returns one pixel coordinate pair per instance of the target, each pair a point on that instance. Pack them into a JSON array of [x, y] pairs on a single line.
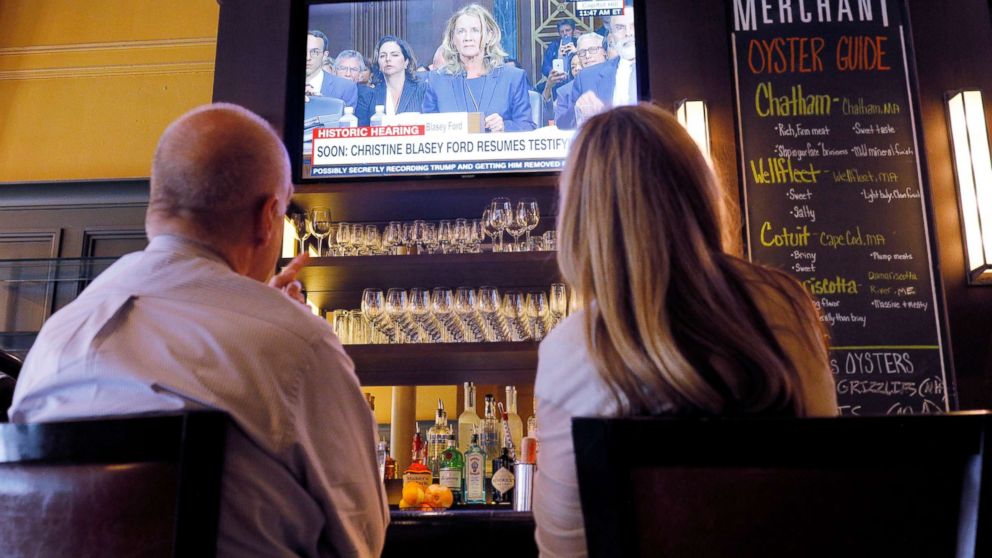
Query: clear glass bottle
[[516, 424], [475, 472], [417, 471], [468, 421], [532, 422], [381, 452], [489, 432], [502, 481], [452, 470], [437, 439]]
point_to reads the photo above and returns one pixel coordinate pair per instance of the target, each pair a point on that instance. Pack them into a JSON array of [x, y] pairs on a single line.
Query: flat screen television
[[400, 88]]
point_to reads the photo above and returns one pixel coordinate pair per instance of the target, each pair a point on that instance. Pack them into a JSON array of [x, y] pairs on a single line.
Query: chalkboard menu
[[830, 159]]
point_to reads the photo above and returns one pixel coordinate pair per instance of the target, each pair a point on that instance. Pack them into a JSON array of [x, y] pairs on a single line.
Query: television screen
[[452, 87]]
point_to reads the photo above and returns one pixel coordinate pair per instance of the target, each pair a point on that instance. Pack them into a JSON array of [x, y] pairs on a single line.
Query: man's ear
[[267, 219]]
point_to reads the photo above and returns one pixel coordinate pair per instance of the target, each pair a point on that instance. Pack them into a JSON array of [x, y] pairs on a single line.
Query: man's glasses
[[588, 51], [314, 52], [348, 69]]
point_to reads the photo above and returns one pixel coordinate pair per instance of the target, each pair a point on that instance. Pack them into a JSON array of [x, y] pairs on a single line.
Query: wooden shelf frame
[[337, 282], [445, 363]]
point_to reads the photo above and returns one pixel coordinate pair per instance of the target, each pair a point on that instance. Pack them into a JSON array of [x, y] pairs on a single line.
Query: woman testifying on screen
[[474, 78], [394, 80]]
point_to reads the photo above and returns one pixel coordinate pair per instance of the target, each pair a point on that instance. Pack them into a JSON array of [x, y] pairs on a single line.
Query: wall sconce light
[[694, 117], [973, 169]]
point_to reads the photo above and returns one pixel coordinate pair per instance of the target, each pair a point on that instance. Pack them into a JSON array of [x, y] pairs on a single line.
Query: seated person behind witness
[[396, 87], [474, 78], [189, 323], [349, 65], [610, 84], [320, 82], [590, 53], [365, 77], [671, 325], [562, 47]]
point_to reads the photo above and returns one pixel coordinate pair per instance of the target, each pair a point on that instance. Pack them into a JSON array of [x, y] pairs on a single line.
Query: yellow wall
[[87, 87], [427, 397]]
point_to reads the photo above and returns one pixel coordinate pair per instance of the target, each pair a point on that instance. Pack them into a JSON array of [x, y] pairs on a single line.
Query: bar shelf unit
[[335, 283]]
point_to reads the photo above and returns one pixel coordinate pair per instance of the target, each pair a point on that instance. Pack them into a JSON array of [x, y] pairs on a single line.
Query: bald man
[[191, 323]]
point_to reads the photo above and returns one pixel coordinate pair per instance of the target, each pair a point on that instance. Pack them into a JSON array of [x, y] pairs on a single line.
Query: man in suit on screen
[[321, 82], [603, 86]]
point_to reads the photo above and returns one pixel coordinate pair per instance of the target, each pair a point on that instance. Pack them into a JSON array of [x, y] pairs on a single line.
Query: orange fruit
[[413, 494], [439, 497]]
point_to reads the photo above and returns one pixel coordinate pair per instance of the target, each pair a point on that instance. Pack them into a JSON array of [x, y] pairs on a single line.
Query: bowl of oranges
[[434, 498]]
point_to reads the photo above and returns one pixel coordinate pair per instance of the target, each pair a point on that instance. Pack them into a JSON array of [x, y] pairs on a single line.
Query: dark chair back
[[860, 486], [139, 486]]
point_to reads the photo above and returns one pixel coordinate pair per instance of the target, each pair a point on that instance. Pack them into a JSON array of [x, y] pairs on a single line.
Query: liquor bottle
[[381, 452], [418, 472], [475, 473], [389, 471], [489, 432], [469, 420], [505, 436], [502, 480], [532, 422], [452, 470], [348, 119], [516, 425], [437, 438]]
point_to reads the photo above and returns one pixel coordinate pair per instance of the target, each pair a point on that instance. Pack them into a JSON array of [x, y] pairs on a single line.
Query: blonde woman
[[672, 325], [474, 77]]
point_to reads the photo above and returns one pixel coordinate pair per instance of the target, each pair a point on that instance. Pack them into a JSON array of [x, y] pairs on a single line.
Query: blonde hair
[[492, 51], [669, 321]]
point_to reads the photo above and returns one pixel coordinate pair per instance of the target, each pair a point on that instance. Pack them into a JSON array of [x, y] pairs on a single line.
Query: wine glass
[[465, 308], [514, 309], [418, 234], [445, 235], [392, 237], [320, 219], [516, 227], [300, 226], [421, 308], [462, 235], [431, 238], [500, 216], [529, 213], [558, 303], [488, 229], [372, 240], [489, 307], [397, 306], [374, 309], [478, 235], [537, 314], [442, 304]]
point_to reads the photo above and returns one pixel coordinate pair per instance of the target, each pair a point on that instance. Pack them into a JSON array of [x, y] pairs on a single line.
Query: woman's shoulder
[[566, 374]]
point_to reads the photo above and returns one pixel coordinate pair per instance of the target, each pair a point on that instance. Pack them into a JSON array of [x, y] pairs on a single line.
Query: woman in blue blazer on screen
[[474, 78], [394, 80]]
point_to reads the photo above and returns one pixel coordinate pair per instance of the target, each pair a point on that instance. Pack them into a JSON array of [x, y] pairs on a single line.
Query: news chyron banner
[[447, 143]]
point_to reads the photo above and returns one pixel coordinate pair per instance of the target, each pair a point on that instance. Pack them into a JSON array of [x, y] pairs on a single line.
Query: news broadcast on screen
[[452, 87]]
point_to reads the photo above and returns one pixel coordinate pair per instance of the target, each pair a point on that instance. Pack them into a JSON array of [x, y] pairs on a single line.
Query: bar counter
[[474, 531]]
